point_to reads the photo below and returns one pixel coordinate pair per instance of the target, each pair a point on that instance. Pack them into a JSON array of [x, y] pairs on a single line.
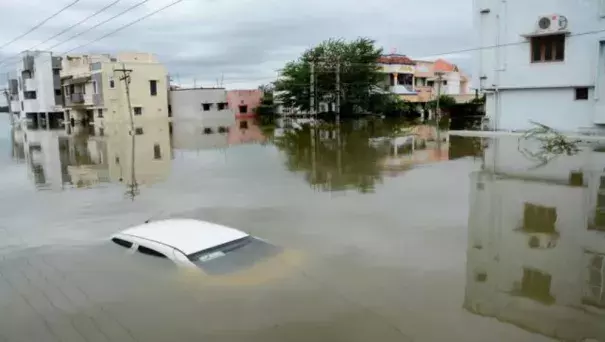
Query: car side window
[[149, 251], [123, 243]]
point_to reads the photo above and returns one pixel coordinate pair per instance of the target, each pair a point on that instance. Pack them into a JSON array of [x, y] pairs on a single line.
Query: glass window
[[123, 243], [548, 48], [138, 110], [207, 130], [153, 87], [206, 106], [243, 109], [138, 131], [100, 113], [157, 152], [582, 93], [149, 251], [112, 84], [234, 256]]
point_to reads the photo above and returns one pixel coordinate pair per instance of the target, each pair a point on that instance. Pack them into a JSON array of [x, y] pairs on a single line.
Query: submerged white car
[[214, 248]]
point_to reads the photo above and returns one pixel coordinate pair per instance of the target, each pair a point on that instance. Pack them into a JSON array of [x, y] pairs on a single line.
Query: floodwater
[[467, 240]]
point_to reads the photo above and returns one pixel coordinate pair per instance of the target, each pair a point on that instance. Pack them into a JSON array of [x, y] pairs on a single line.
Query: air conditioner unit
[[551, 24]]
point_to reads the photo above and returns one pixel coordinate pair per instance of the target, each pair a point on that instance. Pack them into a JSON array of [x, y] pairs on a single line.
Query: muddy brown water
[[376, 246]]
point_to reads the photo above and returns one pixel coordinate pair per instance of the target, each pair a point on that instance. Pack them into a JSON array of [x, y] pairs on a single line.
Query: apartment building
[[541, 61], [203, 110], [417, 80], [36, 92], [95, 92]]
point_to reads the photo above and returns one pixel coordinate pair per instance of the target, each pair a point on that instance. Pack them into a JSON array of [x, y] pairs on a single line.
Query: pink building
[[244, 102]]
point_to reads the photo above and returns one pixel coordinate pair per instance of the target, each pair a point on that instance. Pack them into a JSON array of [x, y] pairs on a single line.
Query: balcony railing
[[76, 98]]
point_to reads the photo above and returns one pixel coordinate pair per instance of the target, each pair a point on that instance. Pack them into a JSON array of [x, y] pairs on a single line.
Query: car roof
[[188, 236]]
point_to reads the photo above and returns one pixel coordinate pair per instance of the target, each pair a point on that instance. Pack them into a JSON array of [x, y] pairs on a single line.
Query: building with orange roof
[[416, 80]]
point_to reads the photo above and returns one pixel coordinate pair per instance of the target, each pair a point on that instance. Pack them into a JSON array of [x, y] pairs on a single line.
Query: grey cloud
[[245, 41]]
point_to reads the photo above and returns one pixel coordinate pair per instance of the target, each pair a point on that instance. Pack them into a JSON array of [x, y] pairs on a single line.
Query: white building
[[39, 88], [206, 108], [536, 243], [542, 61]]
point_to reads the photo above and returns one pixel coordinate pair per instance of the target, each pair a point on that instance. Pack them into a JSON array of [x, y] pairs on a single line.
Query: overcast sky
[[243, 42]]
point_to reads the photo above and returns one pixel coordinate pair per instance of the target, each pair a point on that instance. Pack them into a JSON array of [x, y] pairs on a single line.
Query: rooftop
[[395, 59], [188, 236]]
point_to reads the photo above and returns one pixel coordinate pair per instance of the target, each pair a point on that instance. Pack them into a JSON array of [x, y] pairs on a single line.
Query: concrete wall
[[187, 105], [509, 66], [556, 108], [508, 20], [251, 98]]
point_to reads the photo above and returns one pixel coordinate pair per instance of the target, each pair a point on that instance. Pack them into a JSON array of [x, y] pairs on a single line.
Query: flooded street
[[466, 240]]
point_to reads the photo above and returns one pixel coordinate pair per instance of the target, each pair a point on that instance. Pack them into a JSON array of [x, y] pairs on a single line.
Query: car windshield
[[234, 256]]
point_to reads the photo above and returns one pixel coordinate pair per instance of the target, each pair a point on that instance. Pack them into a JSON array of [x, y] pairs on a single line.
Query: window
[[548, 48], [444, 82], [22, 105], [430, 83], [138, 131], [153, 88], [594, 294], [222, 105], [29, 95], [100, 113], [123, 243], [582, 93], [138, 110], [57, 92], [149, 251], [169, 111], [95, 66], [94, 87], [206, 106], [243, 109], [243, 124], [223, 129], [112, 84], [207, 130], [157, 152], [539, 219], [536, 285], [56, 72]]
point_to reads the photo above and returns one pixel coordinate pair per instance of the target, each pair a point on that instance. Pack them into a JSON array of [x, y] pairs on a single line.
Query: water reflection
[[57, 159], [536, 242], [355, 155]]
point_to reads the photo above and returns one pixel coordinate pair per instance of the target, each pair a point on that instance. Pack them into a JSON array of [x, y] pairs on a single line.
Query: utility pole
[[312, 90], [133, 186], [438, 107], [338, 91], [126, 78]]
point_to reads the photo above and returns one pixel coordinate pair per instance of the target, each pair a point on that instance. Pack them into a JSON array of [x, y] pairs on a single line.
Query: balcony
[[29, 84], [78, 100], [28, 63]]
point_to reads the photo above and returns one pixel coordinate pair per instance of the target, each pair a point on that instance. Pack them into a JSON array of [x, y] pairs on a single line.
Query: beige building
[[96, 95], [417, 81]]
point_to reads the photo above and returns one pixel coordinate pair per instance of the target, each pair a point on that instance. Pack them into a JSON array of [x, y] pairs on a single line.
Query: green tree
[[445, 102], [360, 78], [267, 106]]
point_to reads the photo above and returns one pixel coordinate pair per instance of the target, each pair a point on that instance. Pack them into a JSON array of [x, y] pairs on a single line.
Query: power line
[[128, 25], [40, 24], [121, 27], [65, 30], [101, 23]]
